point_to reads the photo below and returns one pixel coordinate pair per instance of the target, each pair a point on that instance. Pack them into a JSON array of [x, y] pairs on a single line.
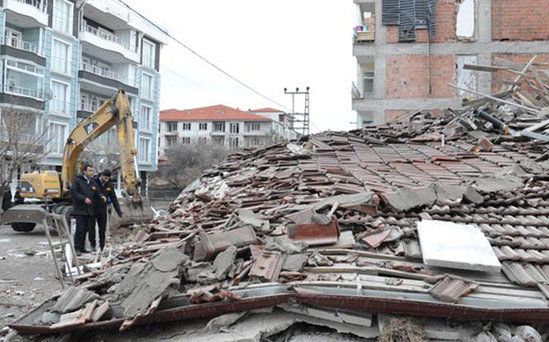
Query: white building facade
[[219, 124], [60, 59]]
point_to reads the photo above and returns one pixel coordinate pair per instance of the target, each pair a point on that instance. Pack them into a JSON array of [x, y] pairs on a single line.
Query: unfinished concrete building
[[409, 51]]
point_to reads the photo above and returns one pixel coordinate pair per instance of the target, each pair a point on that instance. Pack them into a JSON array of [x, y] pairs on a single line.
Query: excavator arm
[[114, 112]]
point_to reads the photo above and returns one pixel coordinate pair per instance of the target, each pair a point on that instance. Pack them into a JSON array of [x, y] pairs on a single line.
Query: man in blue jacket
[[105, 191], [84, 194]]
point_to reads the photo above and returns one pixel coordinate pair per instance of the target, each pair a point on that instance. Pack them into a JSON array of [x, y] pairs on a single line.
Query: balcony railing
[[94, 69], [22, 45], [21, 91], [89, 107], [105, 36], [39, 4]]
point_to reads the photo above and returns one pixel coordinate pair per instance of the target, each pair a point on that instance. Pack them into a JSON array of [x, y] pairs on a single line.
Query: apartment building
[[409, 51], [61, 59], [221, 125]]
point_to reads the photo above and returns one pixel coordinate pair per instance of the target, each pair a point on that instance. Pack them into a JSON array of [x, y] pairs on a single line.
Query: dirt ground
[[27, 273]]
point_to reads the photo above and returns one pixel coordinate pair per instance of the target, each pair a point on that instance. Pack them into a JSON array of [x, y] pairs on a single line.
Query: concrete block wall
[[520, 20], [408, 76]]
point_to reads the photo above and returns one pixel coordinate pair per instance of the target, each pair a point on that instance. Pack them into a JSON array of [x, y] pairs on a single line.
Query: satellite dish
[[48, 94]]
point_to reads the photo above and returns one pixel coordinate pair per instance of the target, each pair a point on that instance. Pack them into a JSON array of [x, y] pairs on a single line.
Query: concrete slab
[[452, 245]]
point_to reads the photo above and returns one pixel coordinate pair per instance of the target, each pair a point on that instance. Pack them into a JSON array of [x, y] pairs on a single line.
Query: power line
[[207, 61], [191, 50]]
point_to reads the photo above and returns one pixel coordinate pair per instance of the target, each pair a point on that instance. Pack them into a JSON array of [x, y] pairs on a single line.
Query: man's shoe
[[78, 253], [93, 249], [84, 251]]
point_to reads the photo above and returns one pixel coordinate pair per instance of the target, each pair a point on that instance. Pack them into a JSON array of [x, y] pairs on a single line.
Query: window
[[186, 126], [145, 119], [368, 80], [171, 126], [218, 140], [203, 126], [233, 142], [202, 140], [60, 57], [149, 51], [23, 79], [171, 141], [145, 150], [62, 16], [147, 86], [186, 140], [219, 127], [13, 37], [255, 141], [59, 103], [253, 126], [234, 127], [57, 133]]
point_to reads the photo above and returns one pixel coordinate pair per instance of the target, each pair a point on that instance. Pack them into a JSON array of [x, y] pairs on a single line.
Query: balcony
[[86, 109], [99, 78], [111, 47], [23, 45], [365, 33], [28, 13], [22, 50], [100, 71], [21, 96]]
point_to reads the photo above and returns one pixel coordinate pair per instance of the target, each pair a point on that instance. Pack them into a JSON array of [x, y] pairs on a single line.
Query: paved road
[[27, 273]]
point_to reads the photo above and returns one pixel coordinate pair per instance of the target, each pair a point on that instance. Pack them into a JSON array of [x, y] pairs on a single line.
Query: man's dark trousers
[[101, 219], [84, 224]]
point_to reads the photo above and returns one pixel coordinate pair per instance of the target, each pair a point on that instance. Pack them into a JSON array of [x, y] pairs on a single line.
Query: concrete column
[[380, 74], [381, 31], [483, 20], [485, 78]]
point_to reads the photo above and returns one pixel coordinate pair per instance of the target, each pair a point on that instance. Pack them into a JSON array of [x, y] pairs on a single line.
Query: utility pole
[[299, 121]]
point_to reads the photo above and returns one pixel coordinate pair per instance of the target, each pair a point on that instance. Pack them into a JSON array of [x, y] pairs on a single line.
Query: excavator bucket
[[134, 212]]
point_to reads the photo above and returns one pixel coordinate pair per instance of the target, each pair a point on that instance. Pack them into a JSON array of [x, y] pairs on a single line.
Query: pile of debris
[[438, 217]]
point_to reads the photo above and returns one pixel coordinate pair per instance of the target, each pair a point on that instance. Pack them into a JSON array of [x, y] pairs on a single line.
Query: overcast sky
[[268, 45]]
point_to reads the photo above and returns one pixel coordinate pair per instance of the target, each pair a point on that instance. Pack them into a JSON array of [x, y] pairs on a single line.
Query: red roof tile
[[266, 110], [211, 113]]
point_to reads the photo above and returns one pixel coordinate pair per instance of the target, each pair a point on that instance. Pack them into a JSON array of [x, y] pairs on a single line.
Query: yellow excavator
[[50, 189]]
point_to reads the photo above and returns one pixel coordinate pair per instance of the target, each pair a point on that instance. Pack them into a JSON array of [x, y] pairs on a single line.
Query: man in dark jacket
[[17, 197], [84, 193], [6, 199], [106, 194]]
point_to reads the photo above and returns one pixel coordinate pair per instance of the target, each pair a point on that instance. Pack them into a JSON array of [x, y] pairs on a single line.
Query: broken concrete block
[[295, 262], [285, 245], [211, 244], [146, 282], [223, 262], [201, 273], [224, 321], [247, 216], [494, 184], [447, 244], [73, 299], [405, 199]]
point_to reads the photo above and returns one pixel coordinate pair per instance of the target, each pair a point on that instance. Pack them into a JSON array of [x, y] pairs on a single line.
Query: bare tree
[[103, 152], [23, 143], [185, 163]]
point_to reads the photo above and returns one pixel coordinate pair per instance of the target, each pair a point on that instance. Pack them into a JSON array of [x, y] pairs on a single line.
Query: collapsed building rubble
[[331, 223]]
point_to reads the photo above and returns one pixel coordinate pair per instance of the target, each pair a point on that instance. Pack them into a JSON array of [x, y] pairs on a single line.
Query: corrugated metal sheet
[[407, 20], [431, 12], [409, 14], [389, 12]]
